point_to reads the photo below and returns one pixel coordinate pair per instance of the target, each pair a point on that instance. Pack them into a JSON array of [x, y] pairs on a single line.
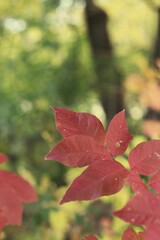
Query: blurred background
[[97, 56]]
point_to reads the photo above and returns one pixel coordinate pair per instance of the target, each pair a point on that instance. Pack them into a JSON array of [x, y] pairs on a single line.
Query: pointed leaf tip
[[71, 123], [101, 178], [118, 137], [78, 151]]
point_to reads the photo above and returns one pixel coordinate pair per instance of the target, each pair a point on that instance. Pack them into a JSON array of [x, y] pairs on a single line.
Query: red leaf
[[101, 178], [145, 157], [3, 158], [141, 236], [90, 237], [136, 183], [71, 123], [10, 206], [130, 234], [118, 136], [78, 151], [142, 209], [154, 182], [3, 219], [153, 232], [24, 191], [13, 191]]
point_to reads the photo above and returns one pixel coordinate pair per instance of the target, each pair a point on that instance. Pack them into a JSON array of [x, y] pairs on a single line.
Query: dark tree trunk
[[151, 113], [108, 79], [156, 55]]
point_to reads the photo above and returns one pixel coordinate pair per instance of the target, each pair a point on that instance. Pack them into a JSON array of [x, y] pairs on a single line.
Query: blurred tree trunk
[[151, 113], [108, 82], [156, 55]]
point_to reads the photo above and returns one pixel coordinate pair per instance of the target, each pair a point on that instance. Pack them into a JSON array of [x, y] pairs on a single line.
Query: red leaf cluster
[[14, 190], [85, 143]]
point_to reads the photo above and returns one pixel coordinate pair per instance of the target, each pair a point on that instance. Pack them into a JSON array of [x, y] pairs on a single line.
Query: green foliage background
[[45, 60]]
